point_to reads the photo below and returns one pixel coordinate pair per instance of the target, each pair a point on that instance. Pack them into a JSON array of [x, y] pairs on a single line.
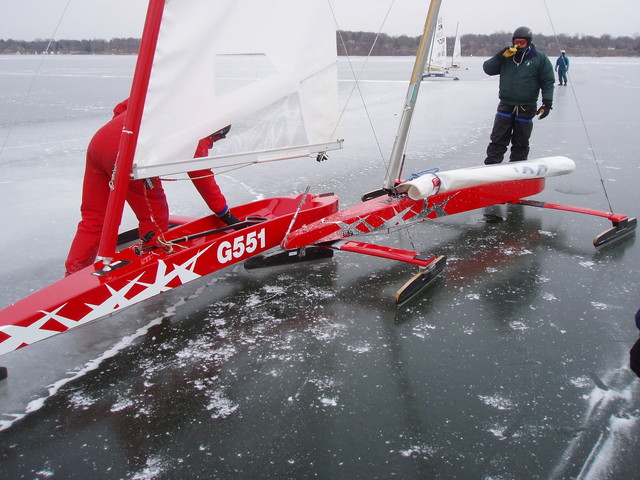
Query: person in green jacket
[[524, 72]]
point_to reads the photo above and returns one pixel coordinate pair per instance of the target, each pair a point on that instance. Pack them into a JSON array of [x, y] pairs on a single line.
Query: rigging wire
[[356, 76], [33, 79], [584, 123]]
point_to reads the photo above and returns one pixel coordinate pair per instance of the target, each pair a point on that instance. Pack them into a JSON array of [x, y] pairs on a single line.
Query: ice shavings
[[45, 473], [360, 347], [78, 399], [516, 251], [122, 404], [518, 325], [253, 300], [581, 382], [329, 402], [617, 438], [423, 330], [155, 466], [498, 431], [599, 305], [424, 451], [609, 425], [497, 402], [220, 405], [38, 403]]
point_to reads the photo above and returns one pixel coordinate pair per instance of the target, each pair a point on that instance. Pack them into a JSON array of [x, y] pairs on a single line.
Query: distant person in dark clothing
[[524, 72], [562, 67]]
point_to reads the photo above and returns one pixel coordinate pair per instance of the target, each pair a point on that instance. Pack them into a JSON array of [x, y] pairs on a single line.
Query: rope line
[[33, 79], [356, 76], [582, 120]]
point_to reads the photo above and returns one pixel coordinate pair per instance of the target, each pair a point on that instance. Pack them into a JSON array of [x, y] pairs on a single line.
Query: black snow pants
[[513, 123]]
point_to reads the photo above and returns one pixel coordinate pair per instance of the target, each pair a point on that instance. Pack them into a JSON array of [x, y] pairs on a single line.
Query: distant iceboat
[[437, 62]]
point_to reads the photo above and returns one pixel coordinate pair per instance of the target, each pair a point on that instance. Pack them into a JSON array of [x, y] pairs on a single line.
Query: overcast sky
[[89, 19]]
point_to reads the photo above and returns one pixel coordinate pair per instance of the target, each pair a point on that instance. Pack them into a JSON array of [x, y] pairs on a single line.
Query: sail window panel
[[236, 71]]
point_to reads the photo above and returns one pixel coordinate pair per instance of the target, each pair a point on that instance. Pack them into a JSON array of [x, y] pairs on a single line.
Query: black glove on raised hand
[[544, 109], [220, 134]]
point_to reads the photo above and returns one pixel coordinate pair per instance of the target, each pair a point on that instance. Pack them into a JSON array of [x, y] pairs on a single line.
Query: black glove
[[220, 134], [229, 218], [544, 109]]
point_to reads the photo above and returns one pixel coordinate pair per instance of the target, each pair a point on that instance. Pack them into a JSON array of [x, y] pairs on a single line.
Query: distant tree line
[[361, 43], [115, 46]]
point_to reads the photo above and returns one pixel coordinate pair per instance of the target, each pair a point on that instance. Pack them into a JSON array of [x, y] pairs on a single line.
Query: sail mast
[[129, 137], [395, 163]]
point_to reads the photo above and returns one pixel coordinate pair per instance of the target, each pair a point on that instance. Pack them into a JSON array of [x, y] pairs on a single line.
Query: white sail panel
[[438, 54], [266, 68], [442, 182], [456, 60]]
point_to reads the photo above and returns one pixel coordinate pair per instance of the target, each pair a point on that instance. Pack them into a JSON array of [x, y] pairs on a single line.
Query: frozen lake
[[514, 365]]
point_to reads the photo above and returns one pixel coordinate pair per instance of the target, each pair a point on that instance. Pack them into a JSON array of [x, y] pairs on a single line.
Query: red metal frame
[[383, 213], [131, 129]]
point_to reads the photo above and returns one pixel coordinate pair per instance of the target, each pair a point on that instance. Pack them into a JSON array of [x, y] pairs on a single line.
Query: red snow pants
[[148, 204]]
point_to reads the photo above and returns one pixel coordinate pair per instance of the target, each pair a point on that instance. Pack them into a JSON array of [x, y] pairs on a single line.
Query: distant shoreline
[[360, 44]]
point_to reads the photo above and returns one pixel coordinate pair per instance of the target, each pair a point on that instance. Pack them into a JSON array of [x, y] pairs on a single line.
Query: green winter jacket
[[521, 84]]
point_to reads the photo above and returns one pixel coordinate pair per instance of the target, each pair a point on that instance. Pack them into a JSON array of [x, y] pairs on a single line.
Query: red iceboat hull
[[85, 296], [382, 213]]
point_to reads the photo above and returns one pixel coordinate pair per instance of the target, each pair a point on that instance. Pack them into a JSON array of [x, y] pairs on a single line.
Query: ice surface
[[512, 366]]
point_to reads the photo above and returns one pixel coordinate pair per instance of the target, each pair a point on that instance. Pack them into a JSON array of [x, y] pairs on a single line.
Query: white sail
[[456, 60], [448, 181], [438, 56], [266, 68]]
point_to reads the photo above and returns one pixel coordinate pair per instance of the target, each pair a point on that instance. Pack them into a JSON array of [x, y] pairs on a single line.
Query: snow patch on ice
[[581, 382], [518, 325], [498, 431], [45, 473], [549, 296], [587, 264], [423, 331], [78, 399], [220, 405], [423, 451], [90, 366], [329, 402], [155, 466], [497, 402], [599, 305], [122, 404], [362, 347], [516, 251], [611, 411], [253, 300]]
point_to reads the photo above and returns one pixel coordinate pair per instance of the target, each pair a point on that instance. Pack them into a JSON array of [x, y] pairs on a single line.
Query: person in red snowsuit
[[145, 197]]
